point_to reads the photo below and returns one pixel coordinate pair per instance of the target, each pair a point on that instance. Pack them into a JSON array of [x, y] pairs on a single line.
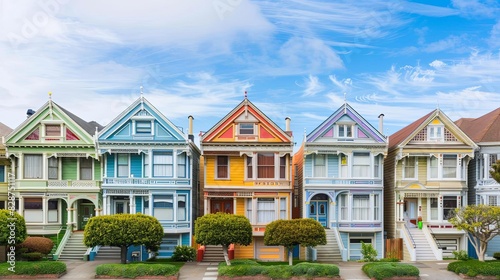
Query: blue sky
[[295, 58]]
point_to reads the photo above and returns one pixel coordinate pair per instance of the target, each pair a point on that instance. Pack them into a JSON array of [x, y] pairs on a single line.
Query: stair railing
[[437, 249], [409, 242], [411, 236], [62, 244]]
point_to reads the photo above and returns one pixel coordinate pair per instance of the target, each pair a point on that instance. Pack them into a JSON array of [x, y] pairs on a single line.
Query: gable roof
[[346, 109], [483, 129], [404, 135], [235, 113], [4, 131], [136, 106], [89, 127]]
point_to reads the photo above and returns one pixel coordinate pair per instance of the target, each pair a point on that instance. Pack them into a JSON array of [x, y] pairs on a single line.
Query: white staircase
[[108, 253], [74, 248], [329, 252], [423, 248]]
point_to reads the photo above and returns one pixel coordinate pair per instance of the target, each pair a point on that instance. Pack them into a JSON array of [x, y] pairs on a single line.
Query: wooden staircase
[[74, 249], [213, 254], [423, 248], [329, 252]]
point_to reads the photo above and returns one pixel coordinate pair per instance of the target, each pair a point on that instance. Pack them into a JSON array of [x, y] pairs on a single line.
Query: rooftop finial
[[50, 95], [345, 98], [141, 87], [246, 94]]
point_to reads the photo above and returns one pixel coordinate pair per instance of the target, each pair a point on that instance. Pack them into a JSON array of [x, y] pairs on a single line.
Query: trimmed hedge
[[496, 255], [284, 271], [473, 268], [37, 244], [383, 270], [133, 270], [34, 268]]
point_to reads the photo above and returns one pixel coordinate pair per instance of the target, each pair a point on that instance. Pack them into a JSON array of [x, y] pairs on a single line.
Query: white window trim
[[404, 169], [344, 126], [246, 134], [434, 138], [255, 169], [228, 169], [459, 170], [325, 165]]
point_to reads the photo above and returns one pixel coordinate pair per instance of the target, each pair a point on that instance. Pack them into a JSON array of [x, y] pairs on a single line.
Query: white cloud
[[472, 8], [437, 64], [312, 86]]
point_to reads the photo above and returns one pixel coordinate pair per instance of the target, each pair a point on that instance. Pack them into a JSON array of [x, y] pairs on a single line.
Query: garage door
[[268, 253], [448, 246]]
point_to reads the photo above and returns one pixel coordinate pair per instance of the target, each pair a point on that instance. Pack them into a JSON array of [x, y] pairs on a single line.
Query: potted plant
[[419, 222]]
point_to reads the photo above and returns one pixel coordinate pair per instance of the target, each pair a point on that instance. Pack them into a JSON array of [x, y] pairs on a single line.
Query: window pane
[[361, 165], [163, 165], [249, 168], [246, 128], [343, 207], [53, 168], [434, 208], [282, 208], [361, 207], [163, 207], [265, 165], [33, 166], [181, 165], [409, 168], [222, 167], [449, 204], [52, 130], [433, 167], [122, 165], [181, 208], [143, 127], [449, 166], [283, 167], [147, 170], [86, 168], [265, 210], [319, 166]]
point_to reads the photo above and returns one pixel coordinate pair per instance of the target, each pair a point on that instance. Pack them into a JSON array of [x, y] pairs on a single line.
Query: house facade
[[247, 171], [4, 170], [55, 170], [342, 185], [482, 188], [425, 180], [151, 167]]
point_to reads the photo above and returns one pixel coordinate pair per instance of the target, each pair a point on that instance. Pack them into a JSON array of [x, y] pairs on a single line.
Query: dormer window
[[52, 130], [246, 129], [435, 133], [143, 127], [345, 130]]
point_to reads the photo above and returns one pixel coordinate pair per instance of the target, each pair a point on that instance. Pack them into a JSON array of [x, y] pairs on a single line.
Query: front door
[[221, 205], [86, 212], [411, 210], [318, 210]]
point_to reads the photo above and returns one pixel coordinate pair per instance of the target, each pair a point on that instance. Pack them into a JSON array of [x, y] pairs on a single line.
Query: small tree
[[289, 233], [123, 230], [495, 171], [223, 229], [13, 231], [481, 222]]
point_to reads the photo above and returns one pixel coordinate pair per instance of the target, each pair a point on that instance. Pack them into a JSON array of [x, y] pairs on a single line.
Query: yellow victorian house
[[247, 171], [425, 179]]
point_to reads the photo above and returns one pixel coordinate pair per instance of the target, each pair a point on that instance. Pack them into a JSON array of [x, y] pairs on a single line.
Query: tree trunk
[[482, 251], [290, 256], [123, 254], [226, 255]]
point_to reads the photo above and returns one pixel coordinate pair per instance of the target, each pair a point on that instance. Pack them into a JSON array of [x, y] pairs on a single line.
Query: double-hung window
[[163, 207], [345, 130], [163, 164], [265, 165], [143, 127], [450, 203], [449, 166], [246, 129], [181, 208], [410, 168], [53, 168], [122, 165], [433, 167], [361, 165], [319, 165], [435, 133], [86, 168], [266, 210], [222, 171], [181, 165], [361, 207], [33, 166]]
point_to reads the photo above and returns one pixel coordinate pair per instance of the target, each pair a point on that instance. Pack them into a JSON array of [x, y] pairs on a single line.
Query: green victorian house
[[56, 172]]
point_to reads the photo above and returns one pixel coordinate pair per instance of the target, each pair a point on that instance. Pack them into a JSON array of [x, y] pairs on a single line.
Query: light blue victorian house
[[151, 167], [342, 185]]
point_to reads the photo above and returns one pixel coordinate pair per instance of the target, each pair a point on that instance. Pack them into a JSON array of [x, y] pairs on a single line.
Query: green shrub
[[471, 267], [33, 256], [497, 255], [136, 269], [37, 244], [34, 268], [184, 254], [382, 270], [461, 255], [369, 253], [389, 260], [279, 271]]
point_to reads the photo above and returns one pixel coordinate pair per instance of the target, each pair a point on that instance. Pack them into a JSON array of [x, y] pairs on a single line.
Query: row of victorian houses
[[361, 185]]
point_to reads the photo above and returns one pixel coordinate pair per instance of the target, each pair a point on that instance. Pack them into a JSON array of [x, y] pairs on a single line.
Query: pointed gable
[[345, 124], [483, 129], [435, 128], [141, 121], [246, 123], [52, 124]]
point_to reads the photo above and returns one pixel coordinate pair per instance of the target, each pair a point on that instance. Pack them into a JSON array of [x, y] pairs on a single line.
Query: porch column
[[21, 205], [205, 205], [45, 210], [234, 206], [105, 204], [151, 204], [70, 216], [486, 166], [131, 199]]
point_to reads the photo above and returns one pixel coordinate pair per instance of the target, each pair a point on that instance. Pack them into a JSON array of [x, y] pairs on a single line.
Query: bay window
[[410, 168], [33, 166], [163, 164], [86, 168], [122, 162], [181, 208], [163, 207], [267, 209], [265, 165], [361, 165], [450, 203], [181, 165], [319, 165], [53, 168], [361, 207], [449, 166], [222, 163]]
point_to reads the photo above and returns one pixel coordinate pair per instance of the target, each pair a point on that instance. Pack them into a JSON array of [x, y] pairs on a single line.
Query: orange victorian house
[[247, 171]]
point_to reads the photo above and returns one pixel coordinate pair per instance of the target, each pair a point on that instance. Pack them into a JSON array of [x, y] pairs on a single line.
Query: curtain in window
[[283, 208], [361, 165], [376, 207], [434, 208], [283, 167], [163, 207], [433, 167], [361, 207], [343, 207], [162, 165], [265, 210], [222, 167], [147, 170], [248, 212], [249, 168], [409, 167], [319, 166], [86, 168], [343, 166], [53, 168], [33, 166], [265, 165], [376, 167], [52, 130]]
